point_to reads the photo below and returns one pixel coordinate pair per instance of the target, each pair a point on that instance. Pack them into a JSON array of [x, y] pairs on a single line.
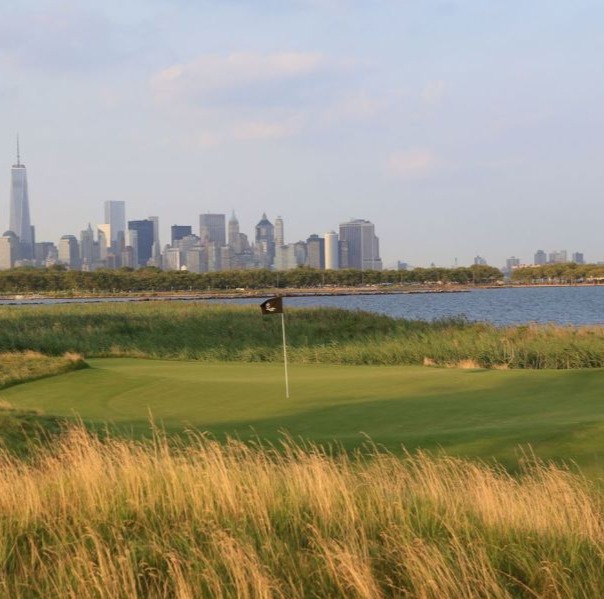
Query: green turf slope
[[481, 413]]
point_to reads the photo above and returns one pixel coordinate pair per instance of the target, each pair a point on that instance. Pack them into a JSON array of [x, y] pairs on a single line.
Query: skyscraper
[[234, 234], [156, 245], [87, 246], [9, 248], [177, 232], [69, 251], [331, 251], [212, 229], [265, 242], [362, 243], [144, 239], [315, 252], [279, 232], [540, 258], [115, 215], [20, 223]]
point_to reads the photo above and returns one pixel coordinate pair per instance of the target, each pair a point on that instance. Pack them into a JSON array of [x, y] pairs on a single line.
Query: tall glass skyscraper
[[363, 245], [144, 236], [20, 223], [115, 215]]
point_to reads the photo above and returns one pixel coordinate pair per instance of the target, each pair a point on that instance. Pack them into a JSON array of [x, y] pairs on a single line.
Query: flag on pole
[[272, 306]]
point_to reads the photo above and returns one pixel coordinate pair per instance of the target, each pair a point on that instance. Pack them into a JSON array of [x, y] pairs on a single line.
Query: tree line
[[60, 279], [566, 273]]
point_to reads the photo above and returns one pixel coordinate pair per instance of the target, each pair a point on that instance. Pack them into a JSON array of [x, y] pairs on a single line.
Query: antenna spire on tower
[[18, 153]]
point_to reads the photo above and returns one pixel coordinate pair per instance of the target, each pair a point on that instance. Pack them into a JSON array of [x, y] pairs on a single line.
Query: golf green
[[478, 413]]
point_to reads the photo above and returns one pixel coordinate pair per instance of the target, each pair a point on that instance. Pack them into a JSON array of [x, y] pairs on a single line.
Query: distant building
[[343, 253], [512, 263], [197, 259], [578, 258], [558, 257], [285, 257], [144, 239], [234, 236], [42, 250], [362, 245], [69, 251], [172, 259], [9, 250], [128, 257], [20, 223], [115, 216], [104, 238], [480, 261], [315, 252], [214, 255], [540, 258], [265, 242], [332, 254], [87, 246], [131, 249], [227, 258], [156, 245], [279, 232], [177, 232], [212, 229]]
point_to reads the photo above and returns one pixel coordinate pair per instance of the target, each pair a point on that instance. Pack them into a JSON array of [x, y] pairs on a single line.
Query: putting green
[[465, 412]]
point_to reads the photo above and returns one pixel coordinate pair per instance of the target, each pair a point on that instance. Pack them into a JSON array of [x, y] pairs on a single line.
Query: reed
[[238, 333], [115, 518]]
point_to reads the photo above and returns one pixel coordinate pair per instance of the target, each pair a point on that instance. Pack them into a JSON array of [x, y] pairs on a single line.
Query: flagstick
[[285, 356]]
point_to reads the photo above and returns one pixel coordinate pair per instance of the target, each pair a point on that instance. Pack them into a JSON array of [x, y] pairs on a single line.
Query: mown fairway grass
[[474, 413]]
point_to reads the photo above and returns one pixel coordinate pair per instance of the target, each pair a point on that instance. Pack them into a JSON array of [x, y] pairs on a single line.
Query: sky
[[458, 127]]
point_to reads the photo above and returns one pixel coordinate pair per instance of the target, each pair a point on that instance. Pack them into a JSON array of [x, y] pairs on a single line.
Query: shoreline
[[144, 296]]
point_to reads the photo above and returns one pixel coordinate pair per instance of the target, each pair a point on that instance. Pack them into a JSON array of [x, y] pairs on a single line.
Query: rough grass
[[20, 430], [20, 367], [238, 333], [123, 519]]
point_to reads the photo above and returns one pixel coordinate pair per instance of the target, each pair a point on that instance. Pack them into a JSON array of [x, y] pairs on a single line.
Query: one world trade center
[[20, 223]]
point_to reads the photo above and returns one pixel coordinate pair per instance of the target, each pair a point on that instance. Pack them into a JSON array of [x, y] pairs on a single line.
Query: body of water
[[560, 305]]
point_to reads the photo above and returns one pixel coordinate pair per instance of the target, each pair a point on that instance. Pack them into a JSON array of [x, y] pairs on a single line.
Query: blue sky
[[457, 127]]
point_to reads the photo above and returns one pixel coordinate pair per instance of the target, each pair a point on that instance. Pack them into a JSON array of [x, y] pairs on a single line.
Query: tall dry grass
[[21, 366], [115, 518]]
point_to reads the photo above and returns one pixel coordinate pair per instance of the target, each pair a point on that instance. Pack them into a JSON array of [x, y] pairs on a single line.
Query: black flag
[[272, 306]]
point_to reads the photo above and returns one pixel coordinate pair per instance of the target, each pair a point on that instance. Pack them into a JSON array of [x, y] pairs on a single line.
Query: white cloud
[[211, 78], [410, 164]]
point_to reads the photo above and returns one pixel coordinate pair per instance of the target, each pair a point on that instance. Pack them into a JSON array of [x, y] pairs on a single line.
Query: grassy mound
[[122, 519], [20, 367], [21, 430], [238, 333]]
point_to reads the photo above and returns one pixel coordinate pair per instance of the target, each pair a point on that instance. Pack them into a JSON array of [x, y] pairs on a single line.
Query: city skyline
[[218, 245], [138, 243], [115, 222], [457, 128]]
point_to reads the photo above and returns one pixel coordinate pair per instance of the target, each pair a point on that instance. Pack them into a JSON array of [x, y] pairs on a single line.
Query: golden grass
[[116, 518], [18, 367]]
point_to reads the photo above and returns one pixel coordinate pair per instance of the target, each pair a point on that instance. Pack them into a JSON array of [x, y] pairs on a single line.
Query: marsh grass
[[115, 518], [23, 366], [200, 331]]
